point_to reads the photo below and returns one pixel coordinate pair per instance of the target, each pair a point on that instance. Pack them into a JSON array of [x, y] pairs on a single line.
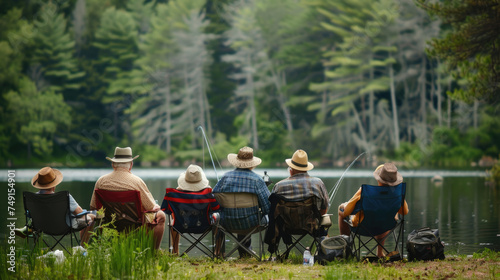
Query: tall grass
[[131, 256], [108, 256]]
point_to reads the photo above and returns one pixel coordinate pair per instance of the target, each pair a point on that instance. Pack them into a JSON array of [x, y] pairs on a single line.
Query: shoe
[[23, 232]]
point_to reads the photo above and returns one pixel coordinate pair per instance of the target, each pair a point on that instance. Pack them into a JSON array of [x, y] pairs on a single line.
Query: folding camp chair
[[125, 205], [294, 222], [238, 201], [380, 205], [189, 213], [46, 214]]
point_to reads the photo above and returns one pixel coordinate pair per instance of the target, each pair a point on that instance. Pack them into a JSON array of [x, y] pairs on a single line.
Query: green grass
[[131, 256]]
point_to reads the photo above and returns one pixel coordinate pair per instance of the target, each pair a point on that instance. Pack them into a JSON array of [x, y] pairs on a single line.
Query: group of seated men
[[297, 187]]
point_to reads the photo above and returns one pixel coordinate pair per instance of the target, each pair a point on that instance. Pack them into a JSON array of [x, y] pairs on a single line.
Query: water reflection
[[462, 207]]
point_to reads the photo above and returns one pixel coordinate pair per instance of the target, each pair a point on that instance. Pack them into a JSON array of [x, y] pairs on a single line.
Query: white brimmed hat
[[244, 158], [122, 155], [299, 161], [193, 179], [388, 174]]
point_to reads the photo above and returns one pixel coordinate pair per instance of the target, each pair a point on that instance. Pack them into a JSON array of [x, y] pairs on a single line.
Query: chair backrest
[[237, 200], [239, 206], [380, 204], [297, 217], [125, 204], [190, 210], [48, 212]]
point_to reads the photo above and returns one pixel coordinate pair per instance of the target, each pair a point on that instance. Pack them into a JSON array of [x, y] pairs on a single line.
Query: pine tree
[[355, 67], [470, 48], [253, 64], [162, 112], [53, 65], [116, 41]]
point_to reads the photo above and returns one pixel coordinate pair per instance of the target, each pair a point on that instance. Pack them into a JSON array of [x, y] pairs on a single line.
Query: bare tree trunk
[[449, 105], [168, 101], [362, 131], [201, 103], [279, 79], [371, 109], [475, 116], [394, 108], [439, 98], [190, 101], [423, 101], [253, 111]]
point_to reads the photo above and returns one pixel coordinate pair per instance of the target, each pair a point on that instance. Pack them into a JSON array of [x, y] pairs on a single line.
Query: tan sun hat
[[244, 158], [193, 179], [299, 161], [388, 174], [47, 178], [122, 155]]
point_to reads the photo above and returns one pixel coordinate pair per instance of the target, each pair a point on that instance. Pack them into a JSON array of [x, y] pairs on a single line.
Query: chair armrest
[[84, 212], [348, 221], [326, 221], [214, 218], [264, 221]]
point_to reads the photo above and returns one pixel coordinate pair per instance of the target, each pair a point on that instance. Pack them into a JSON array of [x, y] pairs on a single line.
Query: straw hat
[[388, 174], [122, 155], [47, 178], [193, 179], [299, 161], [244, 158]]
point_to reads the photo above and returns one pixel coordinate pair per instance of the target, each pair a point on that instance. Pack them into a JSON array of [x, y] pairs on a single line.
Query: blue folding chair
[[380, 205], [190, 215]]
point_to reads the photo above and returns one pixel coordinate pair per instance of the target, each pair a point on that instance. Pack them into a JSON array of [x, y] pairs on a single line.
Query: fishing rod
[[339, 181], [209, 152]]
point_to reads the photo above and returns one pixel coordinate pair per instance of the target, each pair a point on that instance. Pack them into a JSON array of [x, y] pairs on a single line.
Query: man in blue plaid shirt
[[243, 179]]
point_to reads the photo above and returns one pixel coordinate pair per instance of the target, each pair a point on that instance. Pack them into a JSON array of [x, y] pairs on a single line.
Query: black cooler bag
[[425, 244]]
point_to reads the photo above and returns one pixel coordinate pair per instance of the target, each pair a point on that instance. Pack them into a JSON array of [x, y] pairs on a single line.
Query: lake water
[[463, 208]]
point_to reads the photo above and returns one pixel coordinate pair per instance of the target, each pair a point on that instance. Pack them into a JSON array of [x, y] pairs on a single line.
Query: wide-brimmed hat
[[47, 178], [122, 155], [299, 161], [244, 158], [193, 179], [388, 174]]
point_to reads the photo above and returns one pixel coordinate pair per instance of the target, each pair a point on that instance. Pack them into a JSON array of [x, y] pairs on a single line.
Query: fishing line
[[209, 151], [335, 188]]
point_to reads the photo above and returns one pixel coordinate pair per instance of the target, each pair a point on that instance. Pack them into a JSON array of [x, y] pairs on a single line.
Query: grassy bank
[[132, 257]]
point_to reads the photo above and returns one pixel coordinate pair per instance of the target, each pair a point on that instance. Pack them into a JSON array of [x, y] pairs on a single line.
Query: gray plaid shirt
[[302, 186]]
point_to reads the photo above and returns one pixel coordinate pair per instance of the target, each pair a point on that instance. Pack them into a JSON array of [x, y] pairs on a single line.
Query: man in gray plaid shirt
[[300, 185]]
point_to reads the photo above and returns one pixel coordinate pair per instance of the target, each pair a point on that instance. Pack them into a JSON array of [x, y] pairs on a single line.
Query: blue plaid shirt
[[302, 186], [243, 180]]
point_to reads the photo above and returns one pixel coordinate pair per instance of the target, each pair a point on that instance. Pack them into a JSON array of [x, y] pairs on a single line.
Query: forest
[[416, 82]]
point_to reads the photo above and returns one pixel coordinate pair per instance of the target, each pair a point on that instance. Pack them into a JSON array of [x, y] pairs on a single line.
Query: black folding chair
[[380, 205], [294, 222], [189, 215], [241, 200], [46, 215]]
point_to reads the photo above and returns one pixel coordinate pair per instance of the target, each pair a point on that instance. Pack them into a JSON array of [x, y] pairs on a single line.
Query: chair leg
[[296, 241], [58, 241], [195, 242]]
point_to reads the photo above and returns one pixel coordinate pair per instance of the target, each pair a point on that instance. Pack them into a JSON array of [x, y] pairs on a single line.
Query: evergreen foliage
[[470, 46], [335, 78], [39, 116]]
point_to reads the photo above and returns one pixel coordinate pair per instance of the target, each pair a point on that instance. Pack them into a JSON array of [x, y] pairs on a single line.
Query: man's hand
[[156, 208]]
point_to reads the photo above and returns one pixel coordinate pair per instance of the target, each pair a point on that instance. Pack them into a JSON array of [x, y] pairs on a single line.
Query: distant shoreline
[[92, 174]]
